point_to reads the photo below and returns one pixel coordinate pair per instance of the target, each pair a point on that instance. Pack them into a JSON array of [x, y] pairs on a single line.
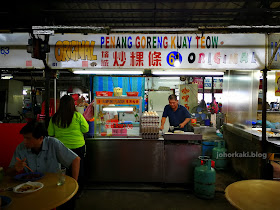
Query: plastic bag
[[89, 112]]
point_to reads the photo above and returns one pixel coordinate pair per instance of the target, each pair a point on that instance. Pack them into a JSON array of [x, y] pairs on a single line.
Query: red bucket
[[132, 93], [104, 93]]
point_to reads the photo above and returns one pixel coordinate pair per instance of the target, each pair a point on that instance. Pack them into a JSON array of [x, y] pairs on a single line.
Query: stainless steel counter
[[140, 160], [247, 141]]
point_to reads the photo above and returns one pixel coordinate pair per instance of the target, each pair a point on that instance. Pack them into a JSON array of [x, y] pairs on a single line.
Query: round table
[[49, 197], [254, 194]]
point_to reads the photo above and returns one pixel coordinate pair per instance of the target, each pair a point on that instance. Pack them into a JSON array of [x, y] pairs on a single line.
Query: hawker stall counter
[[248, 141], [135, 159]]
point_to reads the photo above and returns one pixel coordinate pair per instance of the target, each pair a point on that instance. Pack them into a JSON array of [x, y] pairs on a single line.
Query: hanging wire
[[129, 83], [113, 82]]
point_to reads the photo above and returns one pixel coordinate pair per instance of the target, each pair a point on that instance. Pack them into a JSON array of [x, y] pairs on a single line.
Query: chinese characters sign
[[130, 101], [140, 51], [188, 96], [159, 51], [273, 41], [277, 83]]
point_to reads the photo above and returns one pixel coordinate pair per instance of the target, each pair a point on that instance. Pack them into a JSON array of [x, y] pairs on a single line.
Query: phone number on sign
[[116, 125]]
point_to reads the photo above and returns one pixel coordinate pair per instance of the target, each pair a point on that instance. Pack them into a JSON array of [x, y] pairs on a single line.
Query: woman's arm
[[51, 130]]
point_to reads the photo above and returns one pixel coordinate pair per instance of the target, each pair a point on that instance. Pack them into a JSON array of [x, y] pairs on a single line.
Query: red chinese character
[[139, 58], [84, 63], [186, 98], [28, 63], [104, 62], [119, 58], [132, 58], [155, 58], [136, 59], [185, 90], [186, 105], [105, 54]]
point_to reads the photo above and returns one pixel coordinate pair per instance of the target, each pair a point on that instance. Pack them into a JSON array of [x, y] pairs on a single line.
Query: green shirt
[[72, 136]]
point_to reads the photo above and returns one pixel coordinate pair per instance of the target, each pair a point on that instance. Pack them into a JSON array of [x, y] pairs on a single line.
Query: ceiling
[[134, 15], [164, 16]]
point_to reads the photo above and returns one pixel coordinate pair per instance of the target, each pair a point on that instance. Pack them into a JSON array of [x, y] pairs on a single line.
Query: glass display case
[[117, 117]]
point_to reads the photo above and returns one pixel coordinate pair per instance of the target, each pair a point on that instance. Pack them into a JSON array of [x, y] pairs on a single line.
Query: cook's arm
[[163, 119], [184, 123]]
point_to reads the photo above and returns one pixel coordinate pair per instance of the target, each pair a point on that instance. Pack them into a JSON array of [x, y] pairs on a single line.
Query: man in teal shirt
[[41, 153]]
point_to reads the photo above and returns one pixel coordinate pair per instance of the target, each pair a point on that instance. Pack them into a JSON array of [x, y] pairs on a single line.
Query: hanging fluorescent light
[[187, 73], [152, 29], [121, 109], [6, 76], [177, 63], [170, 78], [177, 60], [107, 72]]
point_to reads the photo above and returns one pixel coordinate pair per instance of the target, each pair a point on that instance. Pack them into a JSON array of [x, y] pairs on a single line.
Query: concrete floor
[[153, 196], [108, 199]]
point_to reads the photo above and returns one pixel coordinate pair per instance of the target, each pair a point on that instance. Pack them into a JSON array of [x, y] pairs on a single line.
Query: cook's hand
[[20, 164], [161, 127], [181, 125]]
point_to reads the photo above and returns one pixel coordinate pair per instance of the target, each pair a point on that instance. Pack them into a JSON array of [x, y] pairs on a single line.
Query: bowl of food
[[28, 187], [31, 176]]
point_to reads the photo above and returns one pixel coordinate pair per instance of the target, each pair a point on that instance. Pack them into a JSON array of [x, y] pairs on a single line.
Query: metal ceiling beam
[[208, 29], [160, 1], [174, 20], [159, 21], [183, 10], [152, 16]]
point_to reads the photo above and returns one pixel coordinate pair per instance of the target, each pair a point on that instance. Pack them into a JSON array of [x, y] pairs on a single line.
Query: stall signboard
[[131, 101], [273, 42], [218, 82], [188, 96], [139, 51], [198, 81], [277, 83], [157, 51], [13, 52]]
